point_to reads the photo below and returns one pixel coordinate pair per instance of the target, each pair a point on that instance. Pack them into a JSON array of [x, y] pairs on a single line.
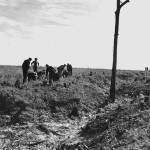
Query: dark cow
[[32, 76]]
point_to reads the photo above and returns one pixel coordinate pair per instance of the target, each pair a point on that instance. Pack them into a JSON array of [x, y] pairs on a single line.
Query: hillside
[[76, 113]]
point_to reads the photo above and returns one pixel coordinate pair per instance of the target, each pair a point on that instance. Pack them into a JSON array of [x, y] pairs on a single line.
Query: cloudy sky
[[76, 31]]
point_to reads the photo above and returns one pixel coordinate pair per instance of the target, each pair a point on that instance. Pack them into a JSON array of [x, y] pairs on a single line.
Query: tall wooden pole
[[114, 65]]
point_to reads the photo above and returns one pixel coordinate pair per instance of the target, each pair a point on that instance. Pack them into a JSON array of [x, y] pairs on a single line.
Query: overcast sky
[[79, 32]]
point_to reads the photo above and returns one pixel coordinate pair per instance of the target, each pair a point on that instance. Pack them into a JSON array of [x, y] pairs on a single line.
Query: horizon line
[[77, 67]]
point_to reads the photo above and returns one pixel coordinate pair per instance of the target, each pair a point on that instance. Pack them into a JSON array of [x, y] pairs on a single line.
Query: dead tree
[[114, 65]]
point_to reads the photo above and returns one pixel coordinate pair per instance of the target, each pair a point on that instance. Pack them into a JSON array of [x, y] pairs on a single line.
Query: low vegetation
[[75, 113]]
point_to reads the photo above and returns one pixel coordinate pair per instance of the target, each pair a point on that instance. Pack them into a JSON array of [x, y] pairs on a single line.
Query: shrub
[[6, 102]]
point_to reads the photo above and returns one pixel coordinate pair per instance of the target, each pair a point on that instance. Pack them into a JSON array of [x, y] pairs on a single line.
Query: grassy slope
[[122, 125]]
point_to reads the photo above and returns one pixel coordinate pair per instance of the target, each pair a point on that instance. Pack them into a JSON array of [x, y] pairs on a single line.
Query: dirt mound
[[117, 126]]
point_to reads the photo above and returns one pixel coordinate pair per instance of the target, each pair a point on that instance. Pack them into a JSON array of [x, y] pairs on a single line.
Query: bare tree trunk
[[114, 66]]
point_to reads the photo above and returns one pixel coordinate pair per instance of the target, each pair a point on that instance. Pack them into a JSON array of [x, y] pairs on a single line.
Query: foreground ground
[[76, 113]]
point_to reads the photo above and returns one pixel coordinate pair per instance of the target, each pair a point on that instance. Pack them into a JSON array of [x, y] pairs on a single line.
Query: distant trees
[[113, 76]]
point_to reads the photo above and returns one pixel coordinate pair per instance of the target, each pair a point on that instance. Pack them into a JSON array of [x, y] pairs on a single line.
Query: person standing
[[69, 68], [25, 68], [35, 65]]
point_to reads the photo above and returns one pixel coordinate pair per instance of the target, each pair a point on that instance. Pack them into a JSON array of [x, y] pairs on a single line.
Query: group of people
[[51, 73], [61, 71], [26, 67]]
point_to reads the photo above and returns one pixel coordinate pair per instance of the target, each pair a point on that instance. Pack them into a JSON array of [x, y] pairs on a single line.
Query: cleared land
[[75, 114]]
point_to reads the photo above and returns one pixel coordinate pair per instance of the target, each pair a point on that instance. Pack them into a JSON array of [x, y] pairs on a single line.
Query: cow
[[32, 76]]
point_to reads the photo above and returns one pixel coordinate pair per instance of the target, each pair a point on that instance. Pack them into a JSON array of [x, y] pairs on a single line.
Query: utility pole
[[114, 65]]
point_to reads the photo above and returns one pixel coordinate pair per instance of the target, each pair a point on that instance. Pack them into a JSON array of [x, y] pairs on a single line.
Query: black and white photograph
[[74, 75]]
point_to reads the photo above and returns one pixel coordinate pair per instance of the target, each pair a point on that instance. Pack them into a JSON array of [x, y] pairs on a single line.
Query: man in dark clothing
[[51, 73], [62, 70], [69, 68], [35, 64], [25, 68]]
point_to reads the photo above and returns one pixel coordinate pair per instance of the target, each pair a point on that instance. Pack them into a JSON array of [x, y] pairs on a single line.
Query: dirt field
[[76, 113]]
